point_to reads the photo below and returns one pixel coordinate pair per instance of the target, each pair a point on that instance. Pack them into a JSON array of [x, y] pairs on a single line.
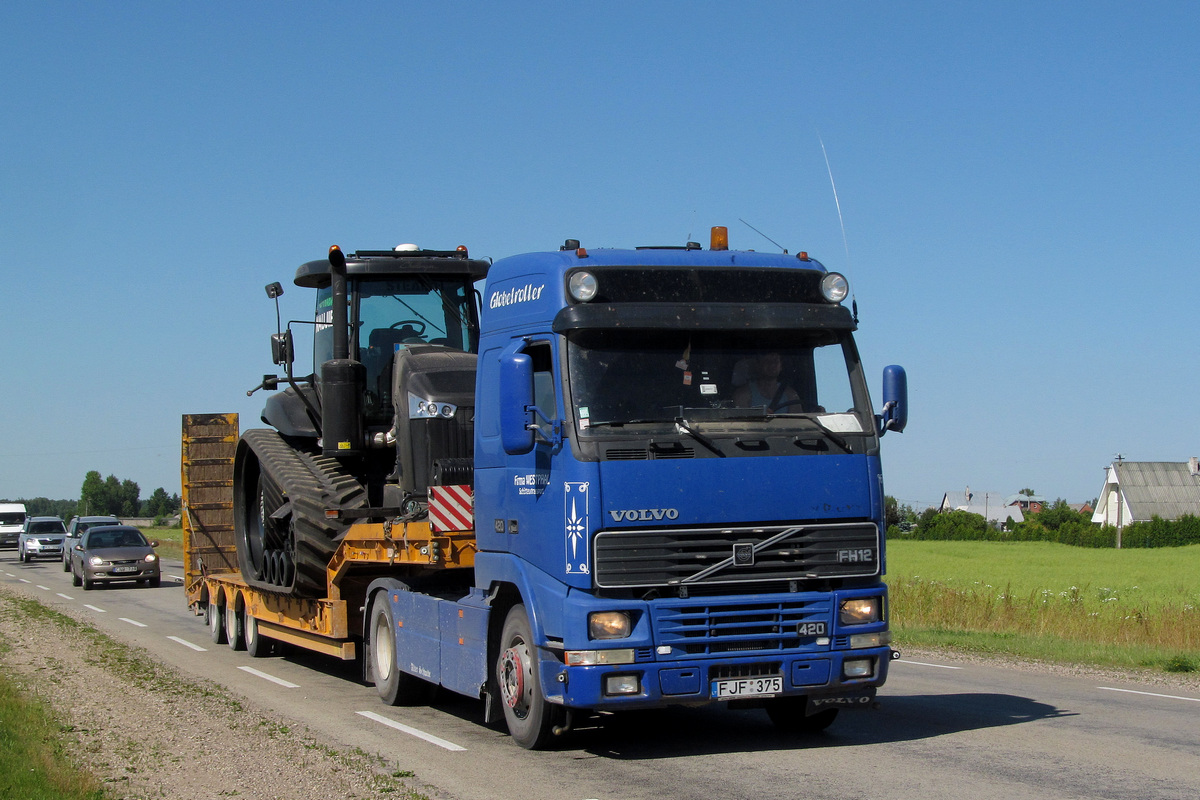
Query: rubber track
[[313, 483]]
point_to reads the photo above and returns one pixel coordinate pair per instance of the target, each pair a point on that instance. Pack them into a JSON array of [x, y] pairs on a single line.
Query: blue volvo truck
[[608, 479]]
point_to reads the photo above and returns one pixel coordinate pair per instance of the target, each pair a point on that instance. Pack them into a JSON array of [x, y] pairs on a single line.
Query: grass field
[[170, 541], [1122, 608]]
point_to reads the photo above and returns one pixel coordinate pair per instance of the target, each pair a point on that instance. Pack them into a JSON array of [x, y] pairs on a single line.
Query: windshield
[[102, 540], [47, 526], [767, 379]]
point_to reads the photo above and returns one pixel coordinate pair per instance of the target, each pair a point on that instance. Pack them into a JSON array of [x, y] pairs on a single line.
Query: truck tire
[[395, 686], [530, 718], [787, 714], [284, 540]]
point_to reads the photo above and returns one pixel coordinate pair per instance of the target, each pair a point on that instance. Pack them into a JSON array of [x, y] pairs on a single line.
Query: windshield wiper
[[682, 426], [830, 434]]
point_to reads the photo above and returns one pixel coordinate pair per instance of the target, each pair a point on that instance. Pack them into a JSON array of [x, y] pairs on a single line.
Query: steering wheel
[[420, 331]]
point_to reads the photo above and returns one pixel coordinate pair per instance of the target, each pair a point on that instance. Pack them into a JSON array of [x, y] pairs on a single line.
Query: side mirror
[[516, 398], [895, 400], [283, 349], [154, 542]]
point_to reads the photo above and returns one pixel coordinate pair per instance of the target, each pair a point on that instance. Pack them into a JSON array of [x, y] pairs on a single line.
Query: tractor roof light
[[834, 287], [582, 286]]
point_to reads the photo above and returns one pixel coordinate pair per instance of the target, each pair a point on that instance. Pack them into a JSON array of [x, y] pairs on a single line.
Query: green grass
[[32, 761], [1119, 608], [170, 541]]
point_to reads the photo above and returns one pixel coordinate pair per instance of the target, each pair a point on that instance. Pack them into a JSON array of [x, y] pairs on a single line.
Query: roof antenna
[[837, 203], [760, 233]]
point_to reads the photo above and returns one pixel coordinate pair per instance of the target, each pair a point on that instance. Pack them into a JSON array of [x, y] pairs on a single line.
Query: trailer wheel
[[530, 718], [214, 616], [787, 714], [257, 645], [395, 686], [234, 628]]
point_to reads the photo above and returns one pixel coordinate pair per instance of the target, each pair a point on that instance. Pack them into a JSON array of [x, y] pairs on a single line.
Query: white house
[[1135, 491], [992, 506]]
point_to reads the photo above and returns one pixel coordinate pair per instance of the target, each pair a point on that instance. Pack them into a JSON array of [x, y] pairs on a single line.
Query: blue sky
[[1019, 185]]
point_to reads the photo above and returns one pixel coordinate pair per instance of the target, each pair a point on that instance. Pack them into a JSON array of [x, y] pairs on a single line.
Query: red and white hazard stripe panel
[[451, 508]]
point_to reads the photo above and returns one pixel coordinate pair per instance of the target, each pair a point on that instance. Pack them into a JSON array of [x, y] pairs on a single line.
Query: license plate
[[735, 688], [125, 569]]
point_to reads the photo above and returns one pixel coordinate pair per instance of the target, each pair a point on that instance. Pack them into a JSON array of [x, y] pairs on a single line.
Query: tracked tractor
[[387, 411]]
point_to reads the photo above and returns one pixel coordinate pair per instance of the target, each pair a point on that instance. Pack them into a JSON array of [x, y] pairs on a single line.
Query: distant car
[[75, 531], [42, 537], [12, 520], [108, 553]]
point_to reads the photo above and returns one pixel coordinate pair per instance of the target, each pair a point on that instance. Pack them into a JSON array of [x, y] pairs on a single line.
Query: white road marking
[[175, 577], [400, 726], [95, 608], [46, 588], [64, 596], [186, 643], [132, 622], [926, 664], [271, 678], [1150, 694], [24, 580], [9, 574]]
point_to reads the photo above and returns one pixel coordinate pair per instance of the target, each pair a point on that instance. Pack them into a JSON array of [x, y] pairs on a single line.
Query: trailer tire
[[234, 628], [214, 616], [257, 645], [787, 714], [531, 719], [395, 686]]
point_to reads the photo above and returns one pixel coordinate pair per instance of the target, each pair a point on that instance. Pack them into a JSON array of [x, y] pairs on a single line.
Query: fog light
[[608, 625], [860, 640], [590, 658], [622, 684], [858, 668]]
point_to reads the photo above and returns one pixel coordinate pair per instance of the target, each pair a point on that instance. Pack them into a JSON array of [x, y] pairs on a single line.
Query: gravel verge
[[147, 731]]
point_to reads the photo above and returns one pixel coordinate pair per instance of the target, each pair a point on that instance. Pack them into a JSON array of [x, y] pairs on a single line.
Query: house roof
[[989, 505], [1166, 489]]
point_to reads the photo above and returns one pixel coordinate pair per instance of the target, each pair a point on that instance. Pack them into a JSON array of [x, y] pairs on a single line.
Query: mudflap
[[858, 699]]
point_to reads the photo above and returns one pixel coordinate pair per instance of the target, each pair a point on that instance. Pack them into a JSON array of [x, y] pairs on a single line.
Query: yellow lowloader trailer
[[245, 617]]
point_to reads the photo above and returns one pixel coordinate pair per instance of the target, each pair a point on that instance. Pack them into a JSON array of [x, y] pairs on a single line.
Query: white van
[[12, 521]]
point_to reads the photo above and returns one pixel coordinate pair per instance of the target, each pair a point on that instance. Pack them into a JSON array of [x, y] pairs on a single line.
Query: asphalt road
[[944, 730]]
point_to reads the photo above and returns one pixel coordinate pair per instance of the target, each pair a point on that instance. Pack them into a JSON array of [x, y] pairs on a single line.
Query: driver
[[765, 389]]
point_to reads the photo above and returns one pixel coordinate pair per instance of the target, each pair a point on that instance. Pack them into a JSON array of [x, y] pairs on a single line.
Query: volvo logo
[[743, 554], [644, 514]]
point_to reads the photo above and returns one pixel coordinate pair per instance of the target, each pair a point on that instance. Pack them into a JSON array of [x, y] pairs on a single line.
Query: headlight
[[859, 611], [609, 625], [582, 286], [834, 287], [151, 557], [96, 561]]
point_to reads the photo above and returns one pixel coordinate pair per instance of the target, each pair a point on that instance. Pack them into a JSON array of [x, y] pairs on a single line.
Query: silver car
[[108, 553], [75, 533], [42, 537]]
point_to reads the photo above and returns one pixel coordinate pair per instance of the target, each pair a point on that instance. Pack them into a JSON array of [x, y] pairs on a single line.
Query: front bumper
[[43, 550], [108, 573], [721, 648]]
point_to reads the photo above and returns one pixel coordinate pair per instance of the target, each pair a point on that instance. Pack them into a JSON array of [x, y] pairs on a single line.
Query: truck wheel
[[395, 686], [530, 718], [787, 714], [215, 617]]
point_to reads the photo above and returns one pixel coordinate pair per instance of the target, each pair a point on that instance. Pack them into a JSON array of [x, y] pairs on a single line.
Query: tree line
[[106, 497]]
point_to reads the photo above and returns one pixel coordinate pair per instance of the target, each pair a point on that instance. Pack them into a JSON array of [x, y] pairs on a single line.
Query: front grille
[[697, 628], [705, 556], [724, 672]]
